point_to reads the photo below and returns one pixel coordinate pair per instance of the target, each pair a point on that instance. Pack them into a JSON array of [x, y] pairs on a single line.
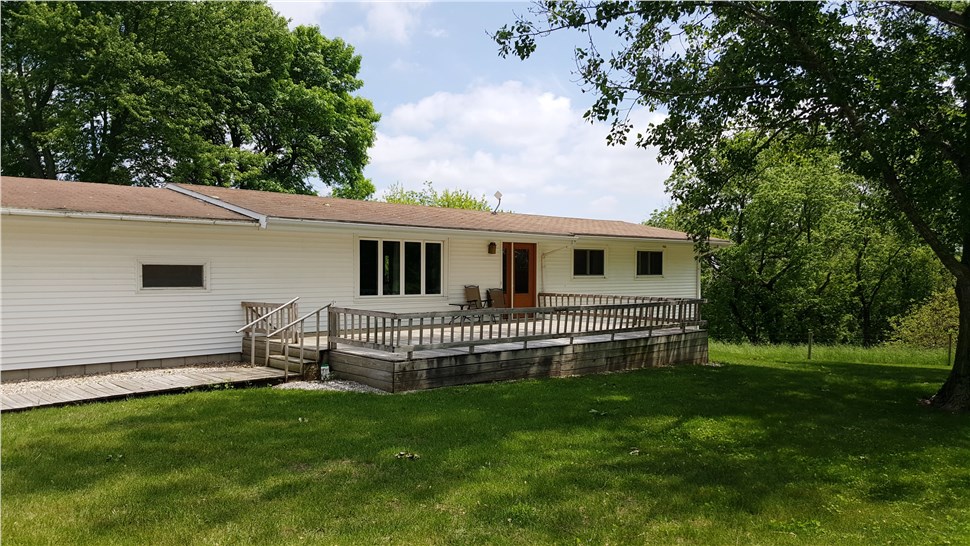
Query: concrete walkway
[[72, 390]]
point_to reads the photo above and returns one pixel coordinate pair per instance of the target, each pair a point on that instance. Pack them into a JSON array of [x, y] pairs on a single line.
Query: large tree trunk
[[954, 395]]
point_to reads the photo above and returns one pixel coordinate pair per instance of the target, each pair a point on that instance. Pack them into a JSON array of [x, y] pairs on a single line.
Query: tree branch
[[943, 15]]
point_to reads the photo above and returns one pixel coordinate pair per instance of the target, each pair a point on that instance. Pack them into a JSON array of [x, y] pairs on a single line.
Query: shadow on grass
[[594, 458]]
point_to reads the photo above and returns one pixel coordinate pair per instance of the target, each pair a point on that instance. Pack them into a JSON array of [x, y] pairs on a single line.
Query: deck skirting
[[559, 360]]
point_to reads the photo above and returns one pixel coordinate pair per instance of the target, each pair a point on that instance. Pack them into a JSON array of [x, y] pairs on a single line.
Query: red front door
[[519, 273]]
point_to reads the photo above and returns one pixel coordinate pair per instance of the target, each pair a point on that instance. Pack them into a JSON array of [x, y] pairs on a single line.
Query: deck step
[[290, 363]]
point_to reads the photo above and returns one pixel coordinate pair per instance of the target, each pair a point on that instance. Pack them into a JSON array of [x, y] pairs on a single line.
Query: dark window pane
[[172, 276], [412, 268], [368, 268], [391, 260], [649, 263], [432, 268], [657, 263], [597, 262], [589, 262], [521, 272], [580, 262]]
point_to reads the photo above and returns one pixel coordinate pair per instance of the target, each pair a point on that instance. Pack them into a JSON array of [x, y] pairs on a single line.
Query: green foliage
[[218, 93], [429, 196], [807, 253], [666, 218], [885, 84], [767, 448], [930, 325]]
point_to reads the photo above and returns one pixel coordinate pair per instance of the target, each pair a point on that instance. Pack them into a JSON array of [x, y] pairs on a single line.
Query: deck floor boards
[[59, 392]]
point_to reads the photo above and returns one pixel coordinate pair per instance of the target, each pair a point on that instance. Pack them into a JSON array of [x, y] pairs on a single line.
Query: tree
[[886, 83], [219, 93], [428, 196], [807, 254]]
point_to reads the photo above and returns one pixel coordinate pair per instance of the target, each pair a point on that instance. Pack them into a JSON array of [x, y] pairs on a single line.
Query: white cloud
[[531, 144], [300, 13], [389, 21]]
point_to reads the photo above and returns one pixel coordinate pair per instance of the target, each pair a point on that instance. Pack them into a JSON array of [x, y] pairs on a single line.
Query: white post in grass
[[809, 344]]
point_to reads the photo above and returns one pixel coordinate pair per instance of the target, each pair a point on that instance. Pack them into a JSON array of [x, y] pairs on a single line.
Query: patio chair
[[496, 298], [473, 300], [473, 297]]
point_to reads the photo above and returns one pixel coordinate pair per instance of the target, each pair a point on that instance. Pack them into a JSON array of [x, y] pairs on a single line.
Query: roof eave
[[124, 217]]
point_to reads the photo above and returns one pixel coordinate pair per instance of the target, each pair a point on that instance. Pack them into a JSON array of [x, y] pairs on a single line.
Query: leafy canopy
[[429, 196], [887, 84], [219, 93], [807, 253]]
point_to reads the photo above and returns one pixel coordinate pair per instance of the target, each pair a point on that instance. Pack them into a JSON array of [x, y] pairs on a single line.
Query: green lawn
[[766, 449]]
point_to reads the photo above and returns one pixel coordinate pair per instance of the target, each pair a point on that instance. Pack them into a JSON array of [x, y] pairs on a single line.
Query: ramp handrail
[[261, 326], [294, 336], [267, 315]]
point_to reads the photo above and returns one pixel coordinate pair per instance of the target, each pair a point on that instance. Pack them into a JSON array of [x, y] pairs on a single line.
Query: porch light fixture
[[492, 247]]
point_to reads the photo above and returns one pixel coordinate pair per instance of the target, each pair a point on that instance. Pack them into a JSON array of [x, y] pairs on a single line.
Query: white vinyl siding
[[72, 291], [679, 279], [71, 287]]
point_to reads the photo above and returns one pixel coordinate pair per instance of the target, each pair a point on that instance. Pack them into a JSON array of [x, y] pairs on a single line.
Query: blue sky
[[455, 113]]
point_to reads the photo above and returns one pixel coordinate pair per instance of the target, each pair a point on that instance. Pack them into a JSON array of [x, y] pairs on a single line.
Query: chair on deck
[[473, 297], [473, 300], [496, 298]]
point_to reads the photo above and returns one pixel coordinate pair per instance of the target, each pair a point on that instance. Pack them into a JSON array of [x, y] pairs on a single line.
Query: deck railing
[[263, 318], [293, 334], [409, 332]]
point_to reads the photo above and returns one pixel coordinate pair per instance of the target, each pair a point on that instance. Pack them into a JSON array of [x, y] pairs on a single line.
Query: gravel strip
[[329, 385]]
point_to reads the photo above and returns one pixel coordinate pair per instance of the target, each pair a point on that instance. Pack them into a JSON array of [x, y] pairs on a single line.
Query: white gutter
[[506, 235], [633, 238], [123, 217], [261, 218]]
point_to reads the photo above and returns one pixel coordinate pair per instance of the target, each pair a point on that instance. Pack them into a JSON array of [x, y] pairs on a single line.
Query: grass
[[766, 449]]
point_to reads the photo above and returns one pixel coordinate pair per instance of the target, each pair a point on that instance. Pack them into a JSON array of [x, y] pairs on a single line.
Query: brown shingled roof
[[60, 196], [329, 209]]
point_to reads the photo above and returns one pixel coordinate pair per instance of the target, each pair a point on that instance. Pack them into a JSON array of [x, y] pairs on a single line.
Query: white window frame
[[380, 270], [606, 262], [636, 263], [140, 280]]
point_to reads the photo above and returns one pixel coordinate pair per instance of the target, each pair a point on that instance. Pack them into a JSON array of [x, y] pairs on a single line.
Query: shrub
[[928, 325]]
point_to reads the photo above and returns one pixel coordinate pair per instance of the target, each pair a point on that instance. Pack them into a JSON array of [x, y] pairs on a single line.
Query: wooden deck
[[60, 392], [427, 369], [569, 334]]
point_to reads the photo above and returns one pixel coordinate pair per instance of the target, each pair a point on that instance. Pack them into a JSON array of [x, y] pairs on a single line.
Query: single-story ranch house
[[99, 277]]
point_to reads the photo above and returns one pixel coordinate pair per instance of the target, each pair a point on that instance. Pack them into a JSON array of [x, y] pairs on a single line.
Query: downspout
[[542, 262]]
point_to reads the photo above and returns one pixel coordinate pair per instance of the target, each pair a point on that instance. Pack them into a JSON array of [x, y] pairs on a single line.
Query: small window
[[172, 276], [589, 262], [650, 262]]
